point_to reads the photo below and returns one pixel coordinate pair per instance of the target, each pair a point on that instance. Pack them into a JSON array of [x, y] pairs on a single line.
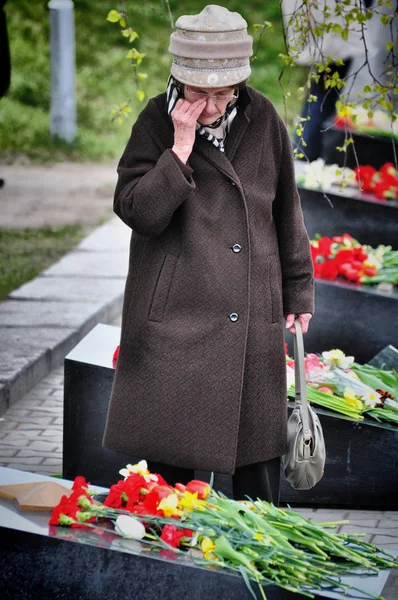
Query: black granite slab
[[361, 469], [39, 561], [367, 219], [362, 462], [370, 149], [358, 319]]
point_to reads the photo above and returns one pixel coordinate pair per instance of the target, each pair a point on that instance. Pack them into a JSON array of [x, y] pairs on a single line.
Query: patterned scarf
[[217, 132]]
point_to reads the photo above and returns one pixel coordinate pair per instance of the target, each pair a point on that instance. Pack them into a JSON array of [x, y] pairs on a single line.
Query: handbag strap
[[300, 382]]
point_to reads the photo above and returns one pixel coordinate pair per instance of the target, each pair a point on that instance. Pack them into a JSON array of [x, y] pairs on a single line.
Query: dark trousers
[[320, 112], [259, 480]]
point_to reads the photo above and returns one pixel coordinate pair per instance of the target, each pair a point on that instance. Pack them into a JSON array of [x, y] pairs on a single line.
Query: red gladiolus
[[201, 487], [172, 535]]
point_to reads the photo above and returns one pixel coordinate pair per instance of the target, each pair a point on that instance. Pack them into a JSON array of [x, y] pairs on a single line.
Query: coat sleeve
[[294, 247], [152, 184]]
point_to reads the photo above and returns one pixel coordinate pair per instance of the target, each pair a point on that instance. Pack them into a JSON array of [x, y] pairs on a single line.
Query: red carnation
[[80, 483], [172, 535]]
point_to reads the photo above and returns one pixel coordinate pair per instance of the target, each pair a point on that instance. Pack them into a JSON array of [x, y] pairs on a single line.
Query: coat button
[[233, 183], [233, 317], [236, 248]]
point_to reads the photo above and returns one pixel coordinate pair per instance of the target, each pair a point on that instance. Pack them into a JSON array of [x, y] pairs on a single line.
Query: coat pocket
[[162, 288], [275, 282]]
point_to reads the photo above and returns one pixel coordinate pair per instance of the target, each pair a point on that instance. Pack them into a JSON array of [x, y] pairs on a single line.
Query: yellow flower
[[258, 537], [169, 506], [207, 547], [190, 501], [351, 398]]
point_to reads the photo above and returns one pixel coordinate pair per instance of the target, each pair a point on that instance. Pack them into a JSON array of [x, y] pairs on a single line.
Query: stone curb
[[41, 321]]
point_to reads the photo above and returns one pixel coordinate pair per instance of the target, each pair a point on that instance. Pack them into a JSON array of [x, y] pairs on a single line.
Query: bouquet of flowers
[[383, 183], [336, 382], [253, 539], [362, 120], [344, 257]]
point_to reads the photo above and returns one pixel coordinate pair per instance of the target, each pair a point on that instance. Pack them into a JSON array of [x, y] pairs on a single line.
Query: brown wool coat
[[194, 387]]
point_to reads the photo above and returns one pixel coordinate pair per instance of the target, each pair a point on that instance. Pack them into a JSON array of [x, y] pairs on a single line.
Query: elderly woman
[[219, 264]]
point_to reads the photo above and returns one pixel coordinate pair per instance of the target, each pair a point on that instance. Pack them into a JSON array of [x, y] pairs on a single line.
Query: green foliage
[[104, 77]]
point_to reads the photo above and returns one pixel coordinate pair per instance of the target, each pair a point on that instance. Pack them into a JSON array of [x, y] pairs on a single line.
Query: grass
[[103, 74], [25, 253]]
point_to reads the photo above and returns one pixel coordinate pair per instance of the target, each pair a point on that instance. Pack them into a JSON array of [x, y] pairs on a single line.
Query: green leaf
[[385, 19], [344, 35], [389, 46], [140, 95], [141, 75], [367, 89], [113, 16], [336, 28]]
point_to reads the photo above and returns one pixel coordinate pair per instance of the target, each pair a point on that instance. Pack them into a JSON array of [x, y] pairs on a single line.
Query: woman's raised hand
[[184, 117]]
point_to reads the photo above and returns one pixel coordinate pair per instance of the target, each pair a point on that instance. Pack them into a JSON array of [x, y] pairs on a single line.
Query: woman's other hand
[[184, 117], [304, 319]]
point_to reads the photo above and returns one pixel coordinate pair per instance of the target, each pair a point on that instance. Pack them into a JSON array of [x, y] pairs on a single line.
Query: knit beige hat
[[211, 49]]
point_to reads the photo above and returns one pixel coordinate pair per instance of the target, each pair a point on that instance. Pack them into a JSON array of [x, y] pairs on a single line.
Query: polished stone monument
[[362, 461], [39, 561]]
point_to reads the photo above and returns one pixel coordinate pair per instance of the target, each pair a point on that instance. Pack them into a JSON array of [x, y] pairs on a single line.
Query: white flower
[[337, 358], [141, 468], [129, 527], [370, 397]]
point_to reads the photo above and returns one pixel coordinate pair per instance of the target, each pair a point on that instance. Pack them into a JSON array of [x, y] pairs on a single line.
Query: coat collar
[[223, 161]]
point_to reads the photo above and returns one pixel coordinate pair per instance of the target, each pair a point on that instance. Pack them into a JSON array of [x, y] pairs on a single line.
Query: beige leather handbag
[[304, 460]]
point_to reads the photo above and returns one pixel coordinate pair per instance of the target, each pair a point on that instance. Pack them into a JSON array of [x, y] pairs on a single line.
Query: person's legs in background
[[259, 480], [319, 112]]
